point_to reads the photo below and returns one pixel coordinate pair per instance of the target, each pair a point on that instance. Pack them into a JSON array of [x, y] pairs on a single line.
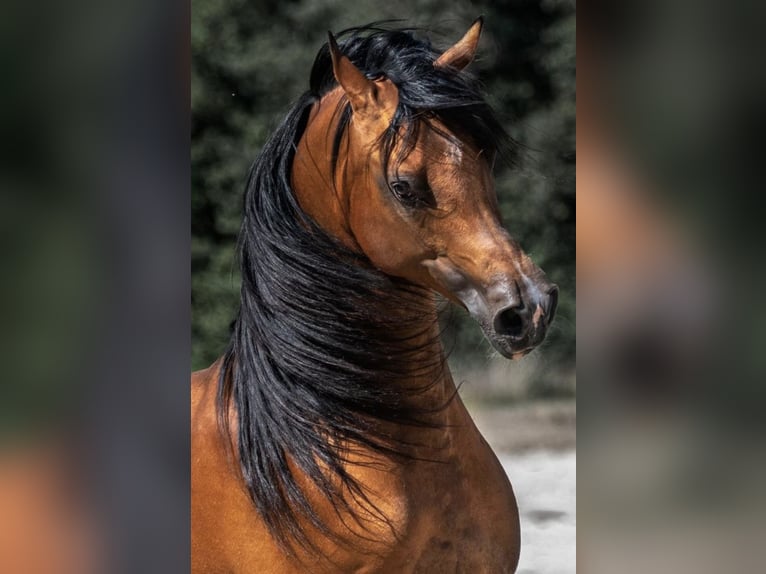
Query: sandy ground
[[545, 483], [520, 427], [535, 443]]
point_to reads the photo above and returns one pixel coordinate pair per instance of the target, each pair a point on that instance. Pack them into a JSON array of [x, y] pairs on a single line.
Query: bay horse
[[330, 436]]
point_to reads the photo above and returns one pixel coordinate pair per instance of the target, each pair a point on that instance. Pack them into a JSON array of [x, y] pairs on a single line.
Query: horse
[[330, 436]]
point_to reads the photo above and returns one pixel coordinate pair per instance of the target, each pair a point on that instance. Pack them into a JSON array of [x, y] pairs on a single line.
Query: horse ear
[[359, 89], [463, 52]]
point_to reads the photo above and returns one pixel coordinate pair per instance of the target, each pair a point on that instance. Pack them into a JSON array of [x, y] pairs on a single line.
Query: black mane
[[312, 357]]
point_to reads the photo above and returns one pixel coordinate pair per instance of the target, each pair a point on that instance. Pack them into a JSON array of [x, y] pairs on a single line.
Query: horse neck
[[318, 189]]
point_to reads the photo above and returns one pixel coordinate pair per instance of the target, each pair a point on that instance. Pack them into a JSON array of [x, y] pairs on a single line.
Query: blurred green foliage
[[250, 60]]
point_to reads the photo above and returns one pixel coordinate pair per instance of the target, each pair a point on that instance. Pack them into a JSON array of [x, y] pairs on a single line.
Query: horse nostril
[[509, 322], [553, 302]]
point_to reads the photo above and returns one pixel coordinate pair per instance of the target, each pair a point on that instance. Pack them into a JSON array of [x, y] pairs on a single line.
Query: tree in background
[[252, 59]]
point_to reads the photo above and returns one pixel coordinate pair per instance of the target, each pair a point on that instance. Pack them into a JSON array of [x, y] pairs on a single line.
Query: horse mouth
[[511, 348]]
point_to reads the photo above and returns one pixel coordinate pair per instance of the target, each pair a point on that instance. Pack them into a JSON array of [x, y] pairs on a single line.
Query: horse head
[[413, 189]]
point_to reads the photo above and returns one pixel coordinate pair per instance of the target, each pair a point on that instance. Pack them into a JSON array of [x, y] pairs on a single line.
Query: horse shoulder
[[226, 531], [472, 525]]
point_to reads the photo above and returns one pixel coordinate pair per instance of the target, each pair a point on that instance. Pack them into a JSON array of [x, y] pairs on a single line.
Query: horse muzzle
[[513, 312], [520, 327]]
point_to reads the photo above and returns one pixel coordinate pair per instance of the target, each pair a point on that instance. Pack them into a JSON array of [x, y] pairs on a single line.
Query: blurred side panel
[[94, 294], [669, 250]]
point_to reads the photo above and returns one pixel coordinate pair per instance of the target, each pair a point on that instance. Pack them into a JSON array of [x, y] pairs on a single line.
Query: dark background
[[250, 60]]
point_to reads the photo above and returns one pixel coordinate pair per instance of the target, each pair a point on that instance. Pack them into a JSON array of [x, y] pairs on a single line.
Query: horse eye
[[403, 191]]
